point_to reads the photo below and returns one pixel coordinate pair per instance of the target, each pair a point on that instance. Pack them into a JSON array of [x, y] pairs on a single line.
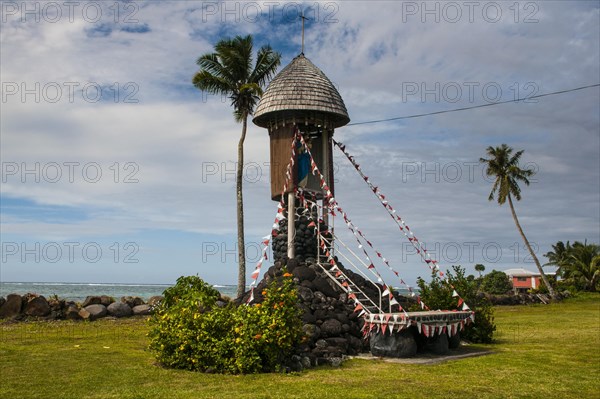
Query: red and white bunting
[[404, 228], [279, 216], [357, 232], [335, 206]]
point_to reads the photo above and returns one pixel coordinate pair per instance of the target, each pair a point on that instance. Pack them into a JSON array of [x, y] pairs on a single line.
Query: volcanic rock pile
[[332, 327], [305, 241]]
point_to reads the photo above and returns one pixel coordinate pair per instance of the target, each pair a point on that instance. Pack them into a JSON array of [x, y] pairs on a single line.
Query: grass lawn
[[542, 351]]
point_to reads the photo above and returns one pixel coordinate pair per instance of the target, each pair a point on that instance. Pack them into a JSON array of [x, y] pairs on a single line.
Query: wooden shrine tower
[[300, 97]]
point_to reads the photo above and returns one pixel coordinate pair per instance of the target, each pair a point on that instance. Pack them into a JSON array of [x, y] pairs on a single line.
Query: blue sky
[[115, 169]]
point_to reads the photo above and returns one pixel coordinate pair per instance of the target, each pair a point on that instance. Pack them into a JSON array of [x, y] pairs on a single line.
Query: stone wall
[[515, 299], [28, 306]]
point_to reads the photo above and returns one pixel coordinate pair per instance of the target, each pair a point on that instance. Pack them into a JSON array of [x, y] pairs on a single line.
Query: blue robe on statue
[[303, 166]]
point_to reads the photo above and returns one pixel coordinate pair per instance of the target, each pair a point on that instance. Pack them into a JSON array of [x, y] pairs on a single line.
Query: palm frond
[[236, 56], [267, 62], [210, 63], [205, 81], [504, 190], [494, 188], [514, 160]]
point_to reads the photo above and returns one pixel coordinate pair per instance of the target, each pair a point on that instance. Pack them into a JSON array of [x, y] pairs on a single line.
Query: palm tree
[[558, 256], [578, 264], [229, 71], [584, 265], [505, 168], [479, 268]]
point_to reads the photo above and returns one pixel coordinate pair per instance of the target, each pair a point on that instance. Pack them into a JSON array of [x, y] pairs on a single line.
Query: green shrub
[[437, 294], [267, 333], [186, 319], [188, 330], [496, 283]]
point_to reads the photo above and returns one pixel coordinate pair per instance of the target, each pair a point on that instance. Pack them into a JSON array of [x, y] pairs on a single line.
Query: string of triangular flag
[[404, 228], [276, 223], [385, 322], [370, 265], [332, 205], [346, 283], [387, 291], [324, 245], [358, 233]]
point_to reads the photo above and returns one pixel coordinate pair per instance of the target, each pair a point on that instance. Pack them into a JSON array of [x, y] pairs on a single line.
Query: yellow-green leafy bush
[[189, 330]]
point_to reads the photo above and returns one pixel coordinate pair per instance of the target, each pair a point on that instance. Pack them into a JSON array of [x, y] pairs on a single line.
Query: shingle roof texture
[[301, 89]]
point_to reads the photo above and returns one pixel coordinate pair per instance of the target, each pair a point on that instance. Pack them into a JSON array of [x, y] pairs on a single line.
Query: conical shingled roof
[[301, 92]]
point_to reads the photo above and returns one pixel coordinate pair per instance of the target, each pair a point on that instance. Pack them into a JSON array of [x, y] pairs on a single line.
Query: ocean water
[[79, 291]]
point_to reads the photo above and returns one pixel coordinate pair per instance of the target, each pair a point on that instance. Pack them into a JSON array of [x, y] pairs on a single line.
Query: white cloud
[[184, 145]]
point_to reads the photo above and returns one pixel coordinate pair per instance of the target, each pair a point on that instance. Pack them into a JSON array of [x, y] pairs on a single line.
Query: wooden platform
[[430, 322]]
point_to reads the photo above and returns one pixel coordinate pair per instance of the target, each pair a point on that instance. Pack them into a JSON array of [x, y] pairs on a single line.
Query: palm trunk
[[241, 288], [535, 259]]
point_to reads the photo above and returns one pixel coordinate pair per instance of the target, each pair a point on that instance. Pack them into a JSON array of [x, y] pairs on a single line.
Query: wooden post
[[291, 224], [325, 158]]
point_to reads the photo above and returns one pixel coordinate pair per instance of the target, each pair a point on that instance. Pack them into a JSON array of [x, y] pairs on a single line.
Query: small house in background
[[524, 280]]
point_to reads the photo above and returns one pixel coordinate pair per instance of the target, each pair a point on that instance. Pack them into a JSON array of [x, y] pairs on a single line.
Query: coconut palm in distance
[[558, 256], [504, 166], [578, 264], [229, 71], [479, 268], [584, 265]]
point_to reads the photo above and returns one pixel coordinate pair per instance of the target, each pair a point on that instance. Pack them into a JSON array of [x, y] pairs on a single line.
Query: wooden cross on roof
[[303, 19]]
